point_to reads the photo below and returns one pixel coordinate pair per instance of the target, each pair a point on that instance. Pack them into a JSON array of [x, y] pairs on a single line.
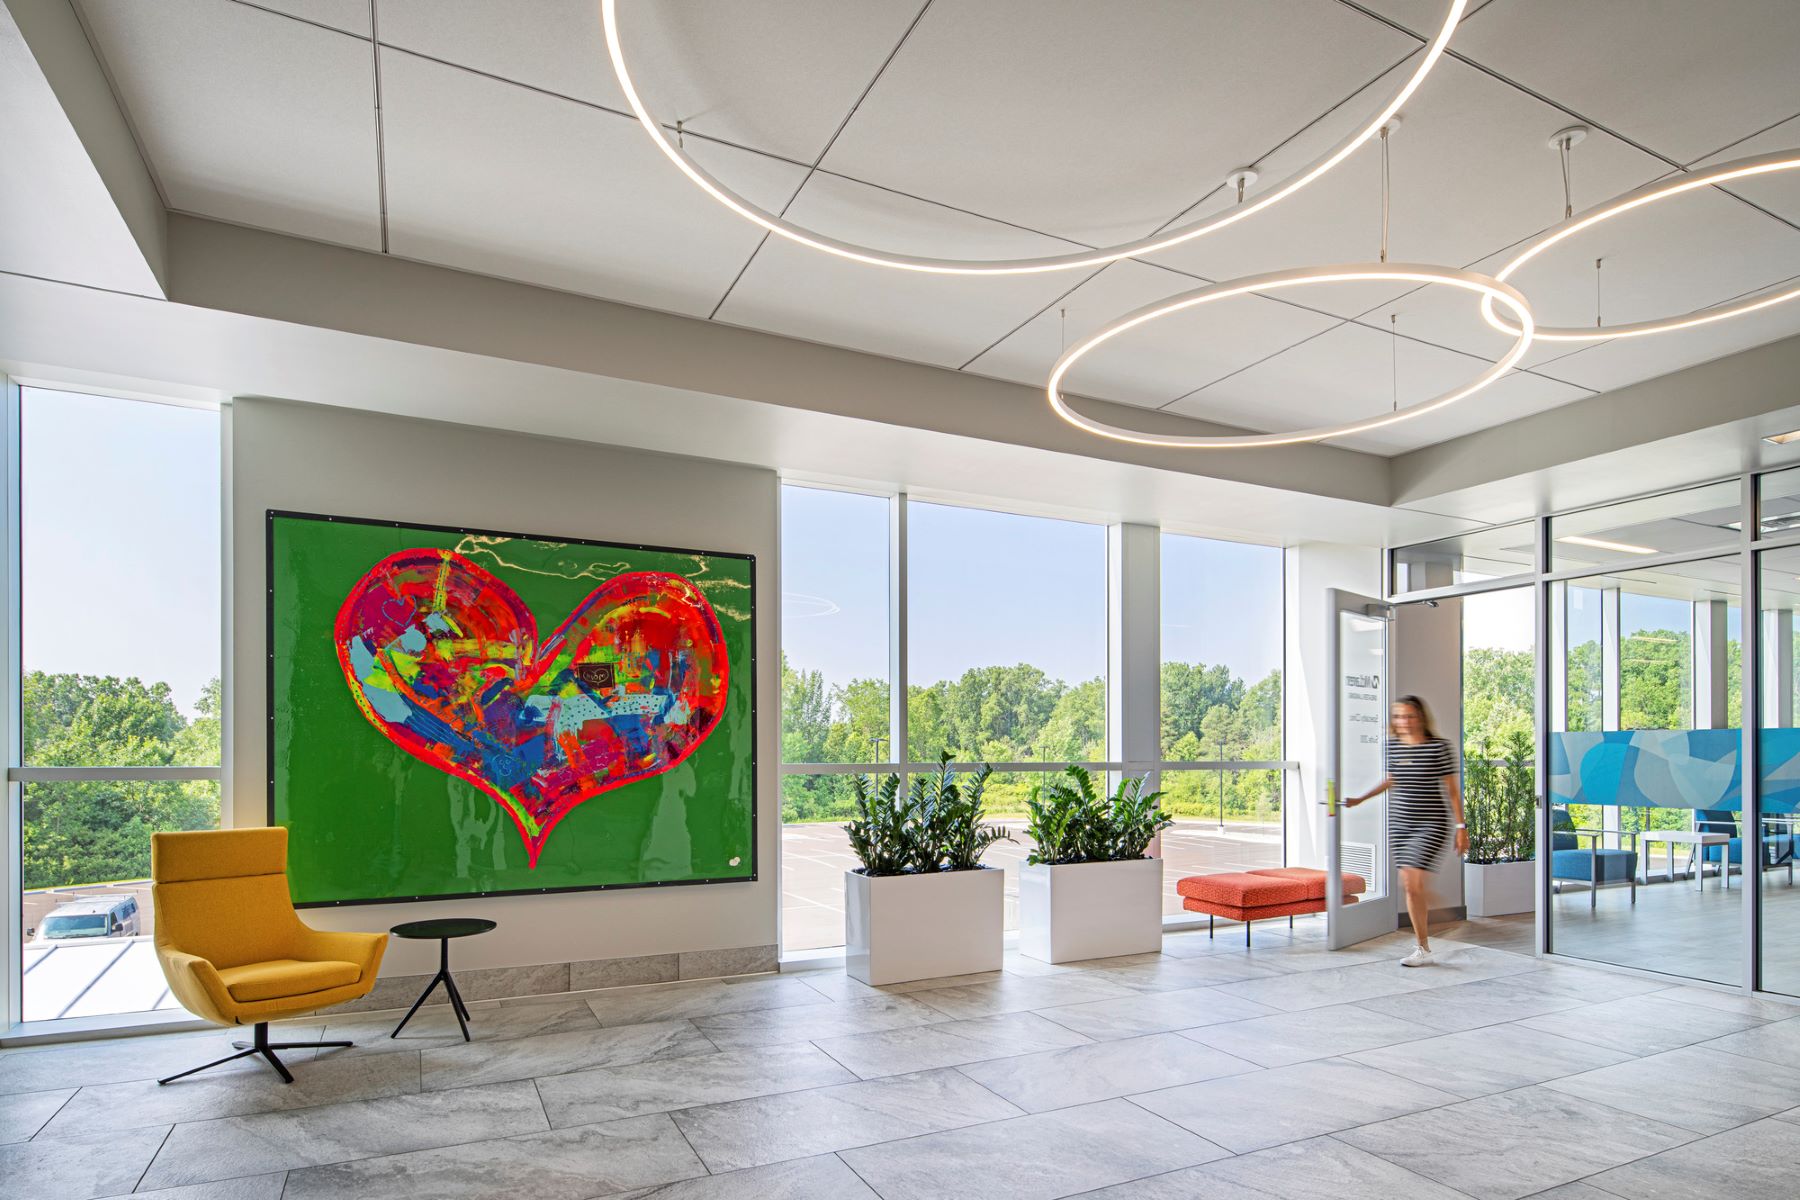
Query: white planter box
[[1498, 889], [1090, 910], [904, 927]]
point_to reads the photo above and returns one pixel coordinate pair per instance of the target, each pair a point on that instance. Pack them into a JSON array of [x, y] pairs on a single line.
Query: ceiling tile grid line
[[1531, 84], [816, 167], [831, 141], [1352, 5], [1581, 117]]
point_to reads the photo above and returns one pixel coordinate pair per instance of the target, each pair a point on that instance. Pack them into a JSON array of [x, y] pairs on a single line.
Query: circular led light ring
[[781, 227], [1765, 164], [1491, 289]]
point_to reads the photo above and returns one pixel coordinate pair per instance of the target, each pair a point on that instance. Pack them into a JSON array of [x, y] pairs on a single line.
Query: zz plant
[[1073, 821], [936, 825]]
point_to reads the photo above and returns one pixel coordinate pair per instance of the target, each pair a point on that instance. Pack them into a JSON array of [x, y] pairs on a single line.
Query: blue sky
[[120, 551], [992, 588]]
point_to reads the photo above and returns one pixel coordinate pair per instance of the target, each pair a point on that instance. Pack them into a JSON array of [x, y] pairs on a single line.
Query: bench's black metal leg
[[1246, 935], [1209, 925]]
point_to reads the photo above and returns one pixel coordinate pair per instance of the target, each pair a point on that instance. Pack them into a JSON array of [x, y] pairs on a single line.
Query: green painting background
[[368, 821]]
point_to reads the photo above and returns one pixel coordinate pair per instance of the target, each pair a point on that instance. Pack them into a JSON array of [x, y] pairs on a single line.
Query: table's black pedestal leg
[[457, 1006]]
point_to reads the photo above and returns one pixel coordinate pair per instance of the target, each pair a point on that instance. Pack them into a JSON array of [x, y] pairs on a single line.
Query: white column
[[1134, 646], [1778, 668], [898, 751], [1711, 650]]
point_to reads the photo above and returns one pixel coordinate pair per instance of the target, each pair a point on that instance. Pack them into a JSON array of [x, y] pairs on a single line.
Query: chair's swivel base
[[263, 1046]]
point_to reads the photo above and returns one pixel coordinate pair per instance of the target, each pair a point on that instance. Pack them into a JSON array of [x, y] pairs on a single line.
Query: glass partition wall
[[1666, 833]]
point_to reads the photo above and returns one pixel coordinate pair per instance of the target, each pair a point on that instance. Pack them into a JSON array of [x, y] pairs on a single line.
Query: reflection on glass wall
[[1645, 855], [1779, 750], [1675, 522], [1464, 558]]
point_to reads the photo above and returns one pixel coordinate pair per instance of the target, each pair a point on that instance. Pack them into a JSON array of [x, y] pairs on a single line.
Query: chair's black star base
[[263, 1046]]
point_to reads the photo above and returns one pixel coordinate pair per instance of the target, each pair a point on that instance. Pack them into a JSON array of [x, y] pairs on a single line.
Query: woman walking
[[1421, 771]]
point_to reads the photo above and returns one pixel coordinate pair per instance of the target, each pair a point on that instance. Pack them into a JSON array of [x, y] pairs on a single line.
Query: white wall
[[332, 460], [1313, 567]]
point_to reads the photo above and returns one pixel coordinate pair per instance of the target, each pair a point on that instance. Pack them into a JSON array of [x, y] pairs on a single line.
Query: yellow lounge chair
[[232, 947]]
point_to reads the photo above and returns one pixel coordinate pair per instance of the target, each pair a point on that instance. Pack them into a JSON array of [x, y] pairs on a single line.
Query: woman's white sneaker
[[1420, 957]]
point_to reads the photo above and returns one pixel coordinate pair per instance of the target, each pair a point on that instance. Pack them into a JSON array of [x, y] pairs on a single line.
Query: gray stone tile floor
[[1208, 1070]]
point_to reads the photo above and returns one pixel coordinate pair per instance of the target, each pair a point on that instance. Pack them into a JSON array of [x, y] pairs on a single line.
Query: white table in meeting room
[[1696, 842]]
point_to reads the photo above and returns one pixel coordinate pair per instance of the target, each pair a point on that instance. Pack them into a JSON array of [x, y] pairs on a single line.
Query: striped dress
[[1419, 815]]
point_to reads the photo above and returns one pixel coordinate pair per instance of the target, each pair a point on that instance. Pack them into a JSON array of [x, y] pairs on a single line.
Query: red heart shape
[[443, 658]]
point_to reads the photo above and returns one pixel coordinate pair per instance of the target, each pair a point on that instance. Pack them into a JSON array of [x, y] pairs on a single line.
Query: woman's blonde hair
[[1418, 706]]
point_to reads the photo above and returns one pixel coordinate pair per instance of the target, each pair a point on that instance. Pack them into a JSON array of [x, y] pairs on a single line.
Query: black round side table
[[443, 930]]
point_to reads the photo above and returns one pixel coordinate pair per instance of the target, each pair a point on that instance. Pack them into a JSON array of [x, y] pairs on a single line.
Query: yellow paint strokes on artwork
[[440, 591]]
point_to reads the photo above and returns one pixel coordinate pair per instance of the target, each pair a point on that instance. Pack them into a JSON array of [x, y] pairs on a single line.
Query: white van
[[91, 917]]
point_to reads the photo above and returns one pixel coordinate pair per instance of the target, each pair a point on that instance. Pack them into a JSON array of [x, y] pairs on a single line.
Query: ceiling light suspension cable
[[1666, 188], [776, 224]]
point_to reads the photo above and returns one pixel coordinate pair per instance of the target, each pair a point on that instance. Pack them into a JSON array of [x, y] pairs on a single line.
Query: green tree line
[[95, 832], [1020, 714]]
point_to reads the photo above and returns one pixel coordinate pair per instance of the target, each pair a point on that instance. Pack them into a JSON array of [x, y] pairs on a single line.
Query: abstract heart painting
[[504, 713]]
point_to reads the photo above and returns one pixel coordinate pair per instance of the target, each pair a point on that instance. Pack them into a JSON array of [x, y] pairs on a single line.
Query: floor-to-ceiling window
[[1004, 622], [1778, 740], [1221, 687], [835, 691], [119, 683], [1006, 651]]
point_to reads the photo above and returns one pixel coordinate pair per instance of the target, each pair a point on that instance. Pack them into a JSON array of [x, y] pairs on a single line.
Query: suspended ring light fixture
[[781, 227], [1766, 164], [1492, 290]]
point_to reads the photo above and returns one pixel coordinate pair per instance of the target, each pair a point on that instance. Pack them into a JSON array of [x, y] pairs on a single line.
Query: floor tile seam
[[1498, 1091], [1709, 1008], [692, 1149], [848, 1166], [1364, 1004], [727, 1012], [1668, 1121], [1408, 1170], [713, 1048], [155, 1154], [1623, 1114], [67, 1100], [1013, 1116]]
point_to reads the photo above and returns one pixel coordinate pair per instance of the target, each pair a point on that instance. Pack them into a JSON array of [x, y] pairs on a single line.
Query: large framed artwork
[[460, 712]]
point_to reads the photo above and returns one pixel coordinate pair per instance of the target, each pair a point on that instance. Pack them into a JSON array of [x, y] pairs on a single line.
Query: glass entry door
[[1356, 839]]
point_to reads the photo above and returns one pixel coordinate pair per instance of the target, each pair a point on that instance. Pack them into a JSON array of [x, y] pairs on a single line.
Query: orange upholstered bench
[[1257, 895]]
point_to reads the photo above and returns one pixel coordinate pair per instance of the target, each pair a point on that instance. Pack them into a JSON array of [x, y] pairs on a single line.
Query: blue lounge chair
[[1778, 848], [1594, 864]]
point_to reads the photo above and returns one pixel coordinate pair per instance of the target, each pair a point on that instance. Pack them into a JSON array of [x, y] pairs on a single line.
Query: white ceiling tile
[[1423, 17], [1617, 363], [351, 16], [497, 179], [1345, 374], [1100, 121], [777, 76], [1780, 192], [1515, 396], [1681, 78], [938, 319], [247, 116], [1154, 363], [1471, 172], [1680, 254]]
